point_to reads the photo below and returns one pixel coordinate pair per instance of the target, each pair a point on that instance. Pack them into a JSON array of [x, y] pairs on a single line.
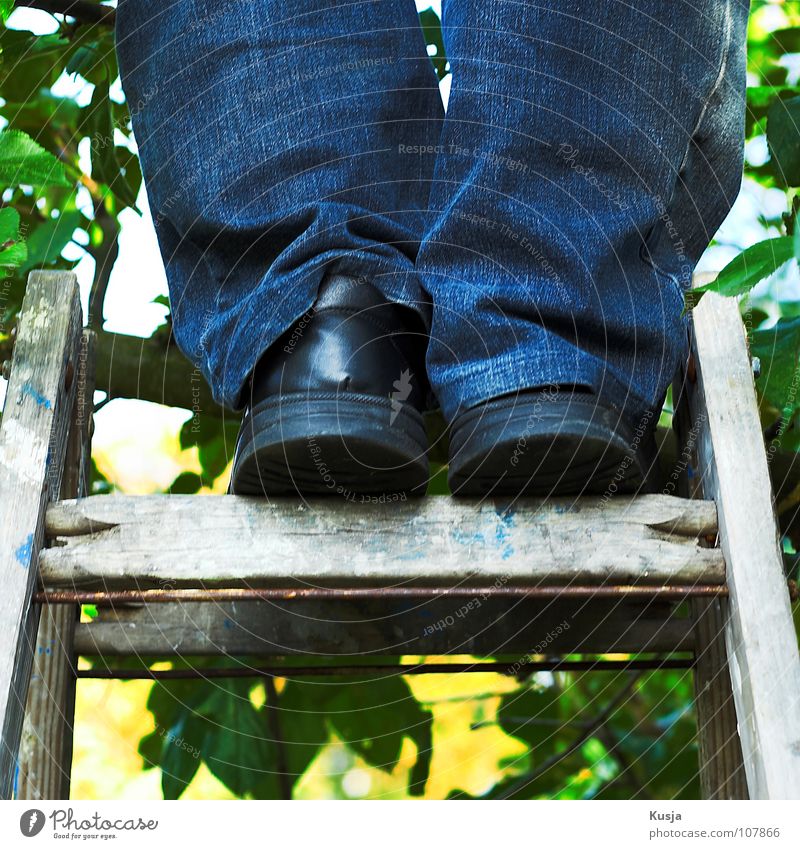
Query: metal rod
[[514, 669], [154, 596]]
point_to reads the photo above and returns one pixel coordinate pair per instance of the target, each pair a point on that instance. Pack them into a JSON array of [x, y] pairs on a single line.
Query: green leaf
[[187, 483], [374, 715], [213, 722], [759, 99], [48, 119], [236, 745], [302, 722], [13, 256], [106, 167], [13, 250], [180, 759], [432, 30], [90, 61], [215, 440], [166, 701], [131, 169], [746, 270], [796, 242], [373, 725], [422, 735], [92, 56], [530, 715], [783, 137], [599, 759], [23, 161], [6, 8], [437, 480], [371, 716], [785, 40], [49, 239], [778, 348], [30, 63]]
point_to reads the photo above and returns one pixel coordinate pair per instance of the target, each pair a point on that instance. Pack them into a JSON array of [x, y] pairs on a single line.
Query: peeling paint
[[40, 399], [23, 553], [39, 316], [467, 539], [501, 534]]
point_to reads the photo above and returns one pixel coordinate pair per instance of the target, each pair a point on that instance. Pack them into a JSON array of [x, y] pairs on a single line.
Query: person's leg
[[273, 141], [591, 149]]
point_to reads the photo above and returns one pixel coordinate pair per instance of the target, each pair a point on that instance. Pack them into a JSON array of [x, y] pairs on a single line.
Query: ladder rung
[[516, 669], [171, 542], [379, 626]]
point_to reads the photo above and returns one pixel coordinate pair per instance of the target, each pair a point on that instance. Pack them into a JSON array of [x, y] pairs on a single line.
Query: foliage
[[261, 752], [749, 268], [68, 170], [60, 195], [614, 736]]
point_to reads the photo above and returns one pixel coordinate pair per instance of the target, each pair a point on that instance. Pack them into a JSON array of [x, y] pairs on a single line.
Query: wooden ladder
[[336, 578]]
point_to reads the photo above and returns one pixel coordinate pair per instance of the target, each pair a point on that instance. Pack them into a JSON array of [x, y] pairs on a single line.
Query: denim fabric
[[544, 230]]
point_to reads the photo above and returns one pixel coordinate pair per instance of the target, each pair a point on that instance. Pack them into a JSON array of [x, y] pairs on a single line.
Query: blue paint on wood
[[467, 539], [502, 534], [28, 390], [23, 553]]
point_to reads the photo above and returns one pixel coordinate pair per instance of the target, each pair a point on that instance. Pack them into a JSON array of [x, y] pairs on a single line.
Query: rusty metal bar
[[513, 669], [674, 592]]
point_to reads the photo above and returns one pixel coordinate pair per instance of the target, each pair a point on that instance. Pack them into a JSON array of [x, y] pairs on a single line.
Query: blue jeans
[[545, 229]]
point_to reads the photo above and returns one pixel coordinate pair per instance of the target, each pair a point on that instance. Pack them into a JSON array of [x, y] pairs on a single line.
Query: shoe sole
[[324, 445], [533, 446]]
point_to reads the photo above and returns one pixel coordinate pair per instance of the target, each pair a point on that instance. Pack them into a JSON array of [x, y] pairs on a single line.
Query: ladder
[[699, 575]]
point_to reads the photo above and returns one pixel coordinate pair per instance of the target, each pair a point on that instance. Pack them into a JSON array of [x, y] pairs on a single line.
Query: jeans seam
[[721, 73], [723, 69]]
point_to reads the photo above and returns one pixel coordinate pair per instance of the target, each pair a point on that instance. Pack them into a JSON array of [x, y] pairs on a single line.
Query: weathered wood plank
[[180, 541], [345, 629], [32, 443], [722, 774], [45, 753], [760, 635]]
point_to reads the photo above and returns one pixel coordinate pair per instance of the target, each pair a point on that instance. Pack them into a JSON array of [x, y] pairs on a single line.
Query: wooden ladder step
[[107, 542], [475, 625]]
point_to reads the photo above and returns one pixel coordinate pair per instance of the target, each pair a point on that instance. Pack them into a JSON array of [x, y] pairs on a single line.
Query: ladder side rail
[[33, 439], [759, 631], [721, 765], [45, 757]]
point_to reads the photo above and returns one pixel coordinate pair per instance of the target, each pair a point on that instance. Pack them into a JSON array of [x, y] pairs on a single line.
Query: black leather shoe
[[550, 442], [336, 404]]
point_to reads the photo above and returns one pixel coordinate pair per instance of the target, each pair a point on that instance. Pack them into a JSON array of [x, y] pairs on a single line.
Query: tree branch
[[285, 781], [591, 729], [80, 10], [132, 367], [104, 256]]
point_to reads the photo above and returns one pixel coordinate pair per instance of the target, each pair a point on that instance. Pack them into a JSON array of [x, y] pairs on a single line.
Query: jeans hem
[[519, 373], [251, 341], [504, 375]]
